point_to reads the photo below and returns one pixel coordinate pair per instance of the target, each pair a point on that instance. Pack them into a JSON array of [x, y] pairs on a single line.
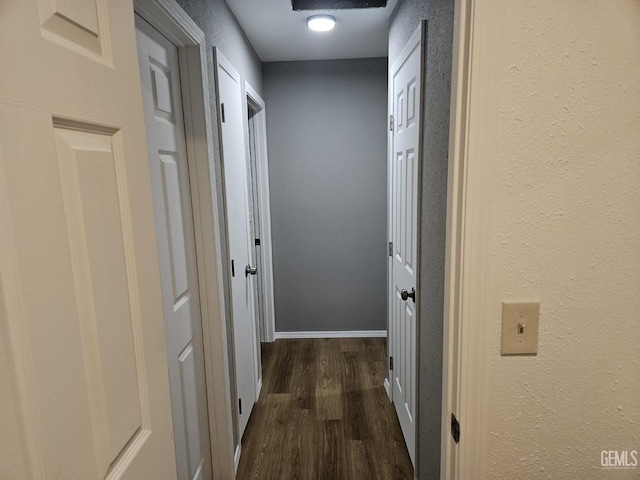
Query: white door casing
[[161, 93], [406, 100], [246, 355], [258, 285], [259, 166], [80, 305]]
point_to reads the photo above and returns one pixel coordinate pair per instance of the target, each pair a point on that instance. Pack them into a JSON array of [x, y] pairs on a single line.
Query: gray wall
[[437, 75], [222, 30], [327, 137]]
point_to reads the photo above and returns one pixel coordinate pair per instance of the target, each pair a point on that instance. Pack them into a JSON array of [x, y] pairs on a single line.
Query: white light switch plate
[[520, 322]]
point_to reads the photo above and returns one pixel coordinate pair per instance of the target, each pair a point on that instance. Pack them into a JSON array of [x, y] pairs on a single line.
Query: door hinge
[[240, 405], [222, 112], [455, 428], [391, 123], [390, 363], [391, 249], [257, 242], [233, 268]]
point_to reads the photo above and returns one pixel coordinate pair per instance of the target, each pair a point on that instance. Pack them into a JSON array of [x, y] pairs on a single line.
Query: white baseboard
[[387, 387], [236, 458], [334, 334]]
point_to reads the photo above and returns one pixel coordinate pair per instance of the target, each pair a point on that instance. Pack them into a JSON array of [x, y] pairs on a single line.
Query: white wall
[[566, 230]]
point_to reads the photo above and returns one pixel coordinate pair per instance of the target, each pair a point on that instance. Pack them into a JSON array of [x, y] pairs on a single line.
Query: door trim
[[254, 100], [477, 57], [173, 22], [418, 38]]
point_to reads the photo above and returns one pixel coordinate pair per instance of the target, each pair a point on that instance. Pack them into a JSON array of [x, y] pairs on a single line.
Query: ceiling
[[279, 34]]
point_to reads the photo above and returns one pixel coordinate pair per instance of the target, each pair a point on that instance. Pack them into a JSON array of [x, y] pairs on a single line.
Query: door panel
[[246, 351], [160, 76], [404, 233], [80, 314]]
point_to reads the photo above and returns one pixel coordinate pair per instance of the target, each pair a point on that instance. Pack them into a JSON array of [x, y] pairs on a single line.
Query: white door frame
[[476, 77], [171, 21], [254, 100]]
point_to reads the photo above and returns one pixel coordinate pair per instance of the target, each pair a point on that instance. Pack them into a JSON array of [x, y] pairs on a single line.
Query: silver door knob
[[406, 295], [249, 270]]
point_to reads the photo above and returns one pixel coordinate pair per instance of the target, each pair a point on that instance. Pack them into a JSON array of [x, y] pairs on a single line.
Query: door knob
[[249, 270], [406, 295]]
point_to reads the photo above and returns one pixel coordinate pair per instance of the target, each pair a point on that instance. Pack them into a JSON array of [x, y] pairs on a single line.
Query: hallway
[[324, 414]]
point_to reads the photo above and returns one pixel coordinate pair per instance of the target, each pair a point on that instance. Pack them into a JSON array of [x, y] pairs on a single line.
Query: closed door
[[161, 94], [234, 159], [80, 309], [406, 100]]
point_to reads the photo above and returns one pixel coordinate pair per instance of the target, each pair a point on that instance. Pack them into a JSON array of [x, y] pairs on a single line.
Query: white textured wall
[[567, 231]]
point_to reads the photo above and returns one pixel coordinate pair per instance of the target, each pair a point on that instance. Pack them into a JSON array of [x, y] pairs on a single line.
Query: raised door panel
[[95, 212], [77, 25], [174, 227]]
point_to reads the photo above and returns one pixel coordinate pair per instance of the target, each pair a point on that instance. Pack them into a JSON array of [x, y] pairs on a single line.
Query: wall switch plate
[[520, 322]]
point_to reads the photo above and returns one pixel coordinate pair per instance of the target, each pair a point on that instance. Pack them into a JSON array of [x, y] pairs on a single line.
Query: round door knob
[[249, 270], [405, 295]]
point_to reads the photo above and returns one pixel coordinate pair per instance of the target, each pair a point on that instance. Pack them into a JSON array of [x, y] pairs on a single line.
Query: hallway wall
[[566, 230], [327, 135], [222, 30], [435, 155]]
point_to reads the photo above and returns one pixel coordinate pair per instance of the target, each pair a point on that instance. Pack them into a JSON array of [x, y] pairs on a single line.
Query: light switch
[[520, 328]]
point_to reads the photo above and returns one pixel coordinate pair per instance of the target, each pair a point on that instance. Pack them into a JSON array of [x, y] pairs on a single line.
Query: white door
[[161, 94], [234, 160], [406, 100], [80, 304]]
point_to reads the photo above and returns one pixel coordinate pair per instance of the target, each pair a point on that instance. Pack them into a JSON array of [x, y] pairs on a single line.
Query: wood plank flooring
[[323, 414]]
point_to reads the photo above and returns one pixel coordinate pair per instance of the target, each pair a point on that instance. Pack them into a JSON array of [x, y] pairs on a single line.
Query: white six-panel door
[[406, 100], [85, 390], [161, 93], [234, 160]]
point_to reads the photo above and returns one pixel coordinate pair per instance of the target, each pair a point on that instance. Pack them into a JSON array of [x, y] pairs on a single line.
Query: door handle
[[406, 295], [249, 270]]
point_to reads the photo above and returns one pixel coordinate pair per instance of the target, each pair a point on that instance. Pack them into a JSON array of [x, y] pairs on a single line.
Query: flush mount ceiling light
[[321, 23]]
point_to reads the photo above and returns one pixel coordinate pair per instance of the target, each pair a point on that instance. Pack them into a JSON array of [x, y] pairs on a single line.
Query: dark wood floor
[[324, 414]]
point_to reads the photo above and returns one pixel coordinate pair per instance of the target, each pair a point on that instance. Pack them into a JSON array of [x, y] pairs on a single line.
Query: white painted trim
[[479, 29], [334, 334], [222, 61], [389, 231], [171, 21], [236, 458], [387, 388], [457, 139], [253, 99]]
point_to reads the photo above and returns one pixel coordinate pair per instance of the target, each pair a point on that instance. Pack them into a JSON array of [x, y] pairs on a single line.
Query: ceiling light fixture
[[321, 23]]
